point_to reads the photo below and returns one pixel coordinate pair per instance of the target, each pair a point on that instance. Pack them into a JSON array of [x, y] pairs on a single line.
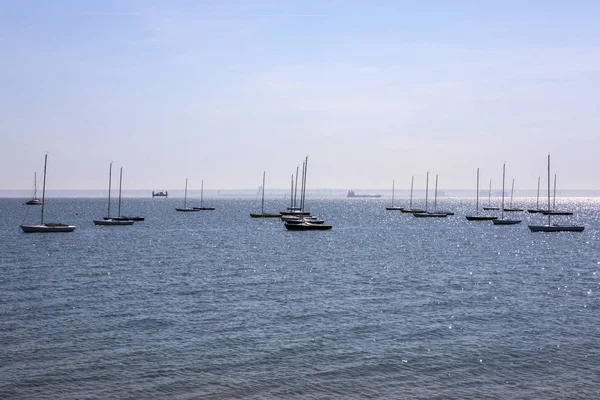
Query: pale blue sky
[[371, 91]]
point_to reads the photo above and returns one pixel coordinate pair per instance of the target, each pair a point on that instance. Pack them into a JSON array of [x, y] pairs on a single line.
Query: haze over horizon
[[370, 91]]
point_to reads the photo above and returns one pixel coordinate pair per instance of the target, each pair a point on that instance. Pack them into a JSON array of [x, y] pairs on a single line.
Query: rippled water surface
[[218, 305]]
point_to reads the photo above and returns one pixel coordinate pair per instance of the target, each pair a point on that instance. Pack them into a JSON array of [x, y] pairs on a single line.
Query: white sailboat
[[393, 207], [185, 207], [554, 227], [510, 208], [34, 201], [202, 208], [410, 209], [489, 207], [554, 211], [46, 227], [108, 221], [478, 217], [428, 214], [262, 204], [502, 220]]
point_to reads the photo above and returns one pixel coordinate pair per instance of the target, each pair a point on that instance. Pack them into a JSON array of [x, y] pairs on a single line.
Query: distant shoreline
[[283, 193]]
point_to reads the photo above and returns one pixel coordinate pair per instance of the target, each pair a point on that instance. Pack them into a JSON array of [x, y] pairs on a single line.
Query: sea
[[217, 305]]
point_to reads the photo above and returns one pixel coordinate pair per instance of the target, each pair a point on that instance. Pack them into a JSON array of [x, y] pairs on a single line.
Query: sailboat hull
[[480, 218], [535, 211], [204, 208], [112, 222], [34, 202], [491, 208], [506, 221], [513, 209], [306, 226], [186, 209], [430, 215], [546, 212], [47, 228], [125, 218], [265, 215], [394, 208], [413, 211], [556, 228]]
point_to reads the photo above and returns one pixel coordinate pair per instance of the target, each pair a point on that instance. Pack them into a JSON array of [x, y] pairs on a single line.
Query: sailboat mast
[[503, 180], [120, 185], [44, 190], [185, 195], [292, 194], [393, 190], [412, 181], [303, 193], [262, 203], [201, 193], [477, 207], [109, 184], [548, 189], [538, 195], [35, 185], [490, 195], [435, 196], [511, 192], [296, 188], [554, 201], [426, 190]]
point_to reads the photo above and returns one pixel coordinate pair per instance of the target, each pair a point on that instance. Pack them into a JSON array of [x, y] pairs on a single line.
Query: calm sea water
[[216, 305]]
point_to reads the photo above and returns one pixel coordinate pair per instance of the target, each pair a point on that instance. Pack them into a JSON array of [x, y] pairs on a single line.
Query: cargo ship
[[351, 194]]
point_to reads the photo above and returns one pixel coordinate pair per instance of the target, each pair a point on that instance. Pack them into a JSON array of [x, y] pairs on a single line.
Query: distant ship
[[160, 194], [354, 195]]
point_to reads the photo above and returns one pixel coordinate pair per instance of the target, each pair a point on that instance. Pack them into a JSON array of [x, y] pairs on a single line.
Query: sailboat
[[502, 220], [554, 227], [34, 201], [120, 217], [478, 217], [305, 224], [537, 203], [410, 209], [202, 208], [489, 207], [435, 200], [554, 211], [427, 214], [108, 221], [262, 205], [46, 227], [393, 207], [293, 209], [185, 207], [510, 207]]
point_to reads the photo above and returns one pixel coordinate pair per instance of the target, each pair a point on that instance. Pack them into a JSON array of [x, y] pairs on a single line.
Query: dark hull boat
[[113, 222], [430, 215], [394, 208], [265, 215], [556, 212], [502, 220], [125, 218], [306, 226], [535, 211], [556, 228], [491, 208], [506, 221], [413, 211], [34, 202], [549, 227], [188, 209], [262, 205], [204, 208], [480, 218], [294, 212], [49, 227], [46, 227], [513, 209]]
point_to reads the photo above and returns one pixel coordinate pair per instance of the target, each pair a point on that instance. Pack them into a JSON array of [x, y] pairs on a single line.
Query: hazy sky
[[370, 90]]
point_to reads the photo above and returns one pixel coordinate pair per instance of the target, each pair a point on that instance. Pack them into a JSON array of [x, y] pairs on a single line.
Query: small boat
[[160, 194], [510, 208], [352, 194], [554, 211], [46, 227], [34, 201], [202, 208], [435, 201], [502, 220], [262, 205], [410, 210], [310, 220], [120, 217], [306, 226], [489, 207], [108, 221], [393, 207], [185, 207], [554, 227], [428, 214], [537, 208], [478, 217]]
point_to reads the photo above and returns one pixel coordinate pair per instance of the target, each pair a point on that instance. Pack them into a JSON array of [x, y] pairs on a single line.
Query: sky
[[371, 91]]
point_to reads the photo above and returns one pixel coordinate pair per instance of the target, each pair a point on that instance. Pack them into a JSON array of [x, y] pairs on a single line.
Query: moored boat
[[502, 220]]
